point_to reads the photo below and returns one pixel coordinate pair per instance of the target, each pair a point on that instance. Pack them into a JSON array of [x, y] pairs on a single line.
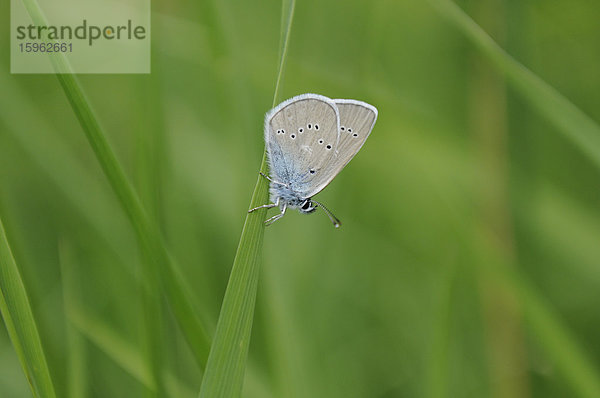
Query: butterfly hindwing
[[357, 119]]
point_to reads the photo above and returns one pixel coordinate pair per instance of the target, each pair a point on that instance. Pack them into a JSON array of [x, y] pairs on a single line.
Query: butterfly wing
[[302, 135], [357, 119]]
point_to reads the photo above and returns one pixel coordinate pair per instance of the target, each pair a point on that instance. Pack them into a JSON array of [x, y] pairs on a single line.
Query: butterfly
[[309, 139]]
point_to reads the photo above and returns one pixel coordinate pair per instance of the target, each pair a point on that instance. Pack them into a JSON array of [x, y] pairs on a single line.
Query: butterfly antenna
[[334, 219]]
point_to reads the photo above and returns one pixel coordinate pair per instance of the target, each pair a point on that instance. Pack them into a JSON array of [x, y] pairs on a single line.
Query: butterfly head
[[307, 206]]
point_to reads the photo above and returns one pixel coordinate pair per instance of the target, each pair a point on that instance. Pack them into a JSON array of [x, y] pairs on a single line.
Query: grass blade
[[147, 233], [123, 353], [83, 323], [77, 351], [112, 344], [570, 120], [20, 323], [224, 374], [150, 160]]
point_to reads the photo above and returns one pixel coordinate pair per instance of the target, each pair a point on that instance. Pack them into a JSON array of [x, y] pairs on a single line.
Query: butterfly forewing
[[302, 138]]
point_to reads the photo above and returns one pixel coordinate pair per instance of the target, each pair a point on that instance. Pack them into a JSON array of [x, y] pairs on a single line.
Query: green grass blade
[[224, 374], [147, 233], [82, 323], [77, 360], [123, 353], [77, 363], [112, 344], [150, 240], [149, 171], [20, 323], [78, 381], [570, 120]]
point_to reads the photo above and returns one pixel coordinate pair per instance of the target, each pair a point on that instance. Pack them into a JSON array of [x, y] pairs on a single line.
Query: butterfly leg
[[267, 206], [271, 180], [277, 216]]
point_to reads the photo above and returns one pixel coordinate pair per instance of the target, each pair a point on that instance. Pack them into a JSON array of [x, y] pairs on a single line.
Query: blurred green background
[[468, 263]]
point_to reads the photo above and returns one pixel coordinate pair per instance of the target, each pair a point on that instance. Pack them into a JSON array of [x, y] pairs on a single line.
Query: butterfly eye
[[328, 146], [306, 205]]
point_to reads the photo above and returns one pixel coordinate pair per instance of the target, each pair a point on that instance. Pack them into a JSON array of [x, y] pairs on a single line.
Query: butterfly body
[[309, 139], [292, 199]]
